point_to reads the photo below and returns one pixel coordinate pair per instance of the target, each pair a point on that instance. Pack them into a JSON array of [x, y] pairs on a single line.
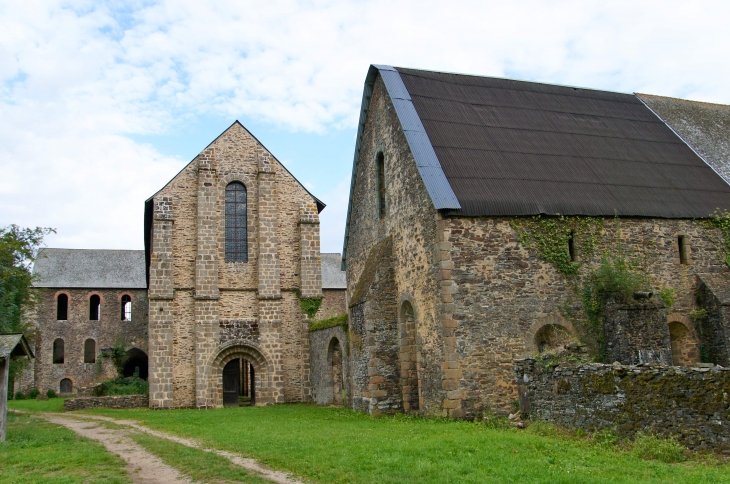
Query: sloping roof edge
[[14, 345], [429, 167]]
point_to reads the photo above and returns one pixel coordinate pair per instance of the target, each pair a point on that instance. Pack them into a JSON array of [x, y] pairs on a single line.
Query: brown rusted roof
[[523, 148]]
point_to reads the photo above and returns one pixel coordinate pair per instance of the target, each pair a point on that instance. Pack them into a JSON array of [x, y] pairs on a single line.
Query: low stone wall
[[118, 401], [691, 404]]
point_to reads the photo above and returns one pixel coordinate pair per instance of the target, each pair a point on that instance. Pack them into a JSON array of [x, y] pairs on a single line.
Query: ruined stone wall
[[637, 333], [333, 304], [503, 292], [214, 302], [322, 343], [411, 221], [691, 404], [117, 401], [74, 331], [714, 327]]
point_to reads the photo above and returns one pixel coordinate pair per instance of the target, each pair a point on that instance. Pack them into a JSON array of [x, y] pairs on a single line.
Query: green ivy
[[310, 305], [721, 220], [340, 320], [669, 296], [117, 353], [550, 237]]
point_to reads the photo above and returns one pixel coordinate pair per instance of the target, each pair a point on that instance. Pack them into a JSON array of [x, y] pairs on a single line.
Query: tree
[[18, 250]]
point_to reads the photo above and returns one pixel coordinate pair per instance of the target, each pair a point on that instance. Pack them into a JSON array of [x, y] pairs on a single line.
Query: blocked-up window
[[94, 307], [236, 228], [89, 351], [58, 351], [62, 307], [126, 307]]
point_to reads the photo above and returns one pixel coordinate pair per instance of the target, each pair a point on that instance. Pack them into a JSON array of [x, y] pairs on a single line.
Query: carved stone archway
[[267, 393], [551, 326]]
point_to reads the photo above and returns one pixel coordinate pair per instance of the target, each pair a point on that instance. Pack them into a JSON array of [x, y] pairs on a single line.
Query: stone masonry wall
[[503, 291], [333, 304], [118, 401], [322, 378], [411, 221], [691, 404], [637, 333], [207, 306], [108, 330]]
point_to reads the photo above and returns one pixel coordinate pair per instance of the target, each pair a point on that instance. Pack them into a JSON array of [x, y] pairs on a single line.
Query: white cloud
[[77, 77]]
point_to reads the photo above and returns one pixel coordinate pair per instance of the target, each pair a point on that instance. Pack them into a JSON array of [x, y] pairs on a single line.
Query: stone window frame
[[554, 319], [677, 257], [94, 352], [53, 352], [68, 303], [680, 318], [101, 302], [251, 185], [131, 301]]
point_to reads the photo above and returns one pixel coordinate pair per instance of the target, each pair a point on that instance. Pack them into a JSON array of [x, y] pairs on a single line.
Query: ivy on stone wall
[[721, 220], [310, 305], [551, 237]]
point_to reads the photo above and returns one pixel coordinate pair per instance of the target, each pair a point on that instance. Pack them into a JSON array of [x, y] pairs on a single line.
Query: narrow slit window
[[236, 228], [126, 307], [89, 351], [381, 184], [58, 351], [682, 246], [571, 246], [94, 307], [62, 307]]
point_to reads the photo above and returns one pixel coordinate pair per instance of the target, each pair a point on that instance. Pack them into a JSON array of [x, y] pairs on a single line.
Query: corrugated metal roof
[[333, 277], [522, 148], [122, 269]]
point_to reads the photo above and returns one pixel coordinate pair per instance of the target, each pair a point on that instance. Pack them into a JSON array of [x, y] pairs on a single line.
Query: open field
[[330, 445], [39, 452]]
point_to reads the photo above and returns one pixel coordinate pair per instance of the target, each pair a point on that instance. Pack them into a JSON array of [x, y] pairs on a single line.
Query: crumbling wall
[[637, 333], [322, 376]]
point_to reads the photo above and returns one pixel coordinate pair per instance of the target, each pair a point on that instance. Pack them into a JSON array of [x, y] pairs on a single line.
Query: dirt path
[[86, 423], [143, 467]]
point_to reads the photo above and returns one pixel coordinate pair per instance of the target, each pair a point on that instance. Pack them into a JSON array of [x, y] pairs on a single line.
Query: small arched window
[[89, 351], [62, 307], [66, 386], [94, 307], [58, 351], [380, 167], [126, 307], [236, 228]]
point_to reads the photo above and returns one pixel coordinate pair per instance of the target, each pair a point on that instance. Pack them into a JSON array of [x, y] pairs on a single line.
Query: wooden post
[[4, 374]]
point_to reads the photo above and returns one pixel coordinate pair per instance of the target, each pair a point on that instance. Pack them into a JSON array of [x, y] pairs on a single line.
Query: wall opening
[[126, 307], [685, 351], [551, 337], [239, 383], [66, 386], [135, 363], [62, 307], [380, 167], [410, 380], [89, 351], [334, 363], [94, 307], [571, 247], [682, 247], [236, 243], [58, 351]]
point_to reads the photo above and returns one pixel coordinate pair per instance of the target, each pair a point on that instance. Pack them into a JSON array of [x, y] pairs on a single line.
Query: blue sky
[[102, 102]]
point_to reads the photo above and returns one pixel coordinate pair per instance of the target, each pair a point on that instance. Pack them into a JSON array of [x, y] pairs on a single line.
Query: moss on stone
[[340, 320]]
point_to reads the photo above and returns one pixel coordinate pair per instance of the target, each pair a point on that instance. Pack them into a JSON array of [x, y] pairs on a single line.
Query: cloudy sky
[[102, 103]]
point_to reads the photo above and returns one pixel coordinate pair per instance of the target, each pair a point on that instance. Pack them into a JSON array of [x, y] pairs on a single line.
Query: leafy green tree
[[18, 250]]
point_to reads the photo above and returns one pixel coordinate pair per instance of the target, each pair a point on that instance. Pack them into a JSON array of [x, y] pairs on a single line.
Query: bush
[[33, 393], [132, 385], [50, 393], [19, 396], [652, 447]]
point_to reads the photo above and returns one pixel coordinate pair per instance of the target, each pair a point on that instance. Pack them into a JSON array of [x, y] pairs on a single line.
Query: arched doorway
[[334, 363], [551, 337], [135, 364], [409, 359], [685, 351], [239, 383]]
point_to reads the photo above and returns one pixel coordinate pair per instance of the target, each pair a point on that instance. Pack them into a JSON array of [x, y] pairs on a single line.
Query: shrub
[[50, 393], [667, 450], [33, 393], [19, 396], [131, 385]]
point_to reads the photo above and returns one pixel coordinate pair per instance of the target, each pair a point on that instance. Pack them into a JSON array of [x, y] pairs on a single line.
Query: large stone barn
[[483, 214]]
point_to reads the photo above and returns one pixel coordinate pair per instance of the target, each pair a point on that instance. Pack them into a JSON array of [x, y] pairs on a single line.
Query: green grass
[[40, 452], [33, 406], [201, 466], [330, 445]]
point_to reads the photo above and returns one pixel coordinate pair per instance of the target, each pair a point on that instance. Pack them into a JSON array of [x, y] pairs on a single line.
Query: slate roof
[[332, 275], [85, 268], [14, 345], [704, 126]]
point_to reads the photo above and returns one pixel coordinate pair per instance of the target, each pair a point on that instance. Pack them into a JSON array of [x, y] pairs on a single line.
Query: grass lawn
[[33, 406], [39, 452], [331, 445]]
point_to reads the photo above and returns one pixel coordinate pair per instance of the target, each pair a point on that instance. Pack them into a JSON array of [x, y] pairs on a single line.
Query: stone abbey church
[[441, 288]]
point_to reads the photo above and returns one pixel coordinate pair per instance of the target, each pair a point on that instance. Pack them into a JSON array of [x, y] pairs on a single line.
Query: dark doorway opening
[[135, 364], [239, 383]]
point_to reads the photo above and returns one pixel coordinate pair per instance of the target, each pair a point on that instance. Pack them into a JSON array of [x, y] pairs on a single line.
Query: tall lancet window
[[236, 230]]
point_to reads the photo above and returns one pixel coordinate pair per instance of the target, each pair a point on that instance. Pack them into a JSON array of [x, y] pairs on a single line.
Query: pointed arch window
[[236, 228]]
